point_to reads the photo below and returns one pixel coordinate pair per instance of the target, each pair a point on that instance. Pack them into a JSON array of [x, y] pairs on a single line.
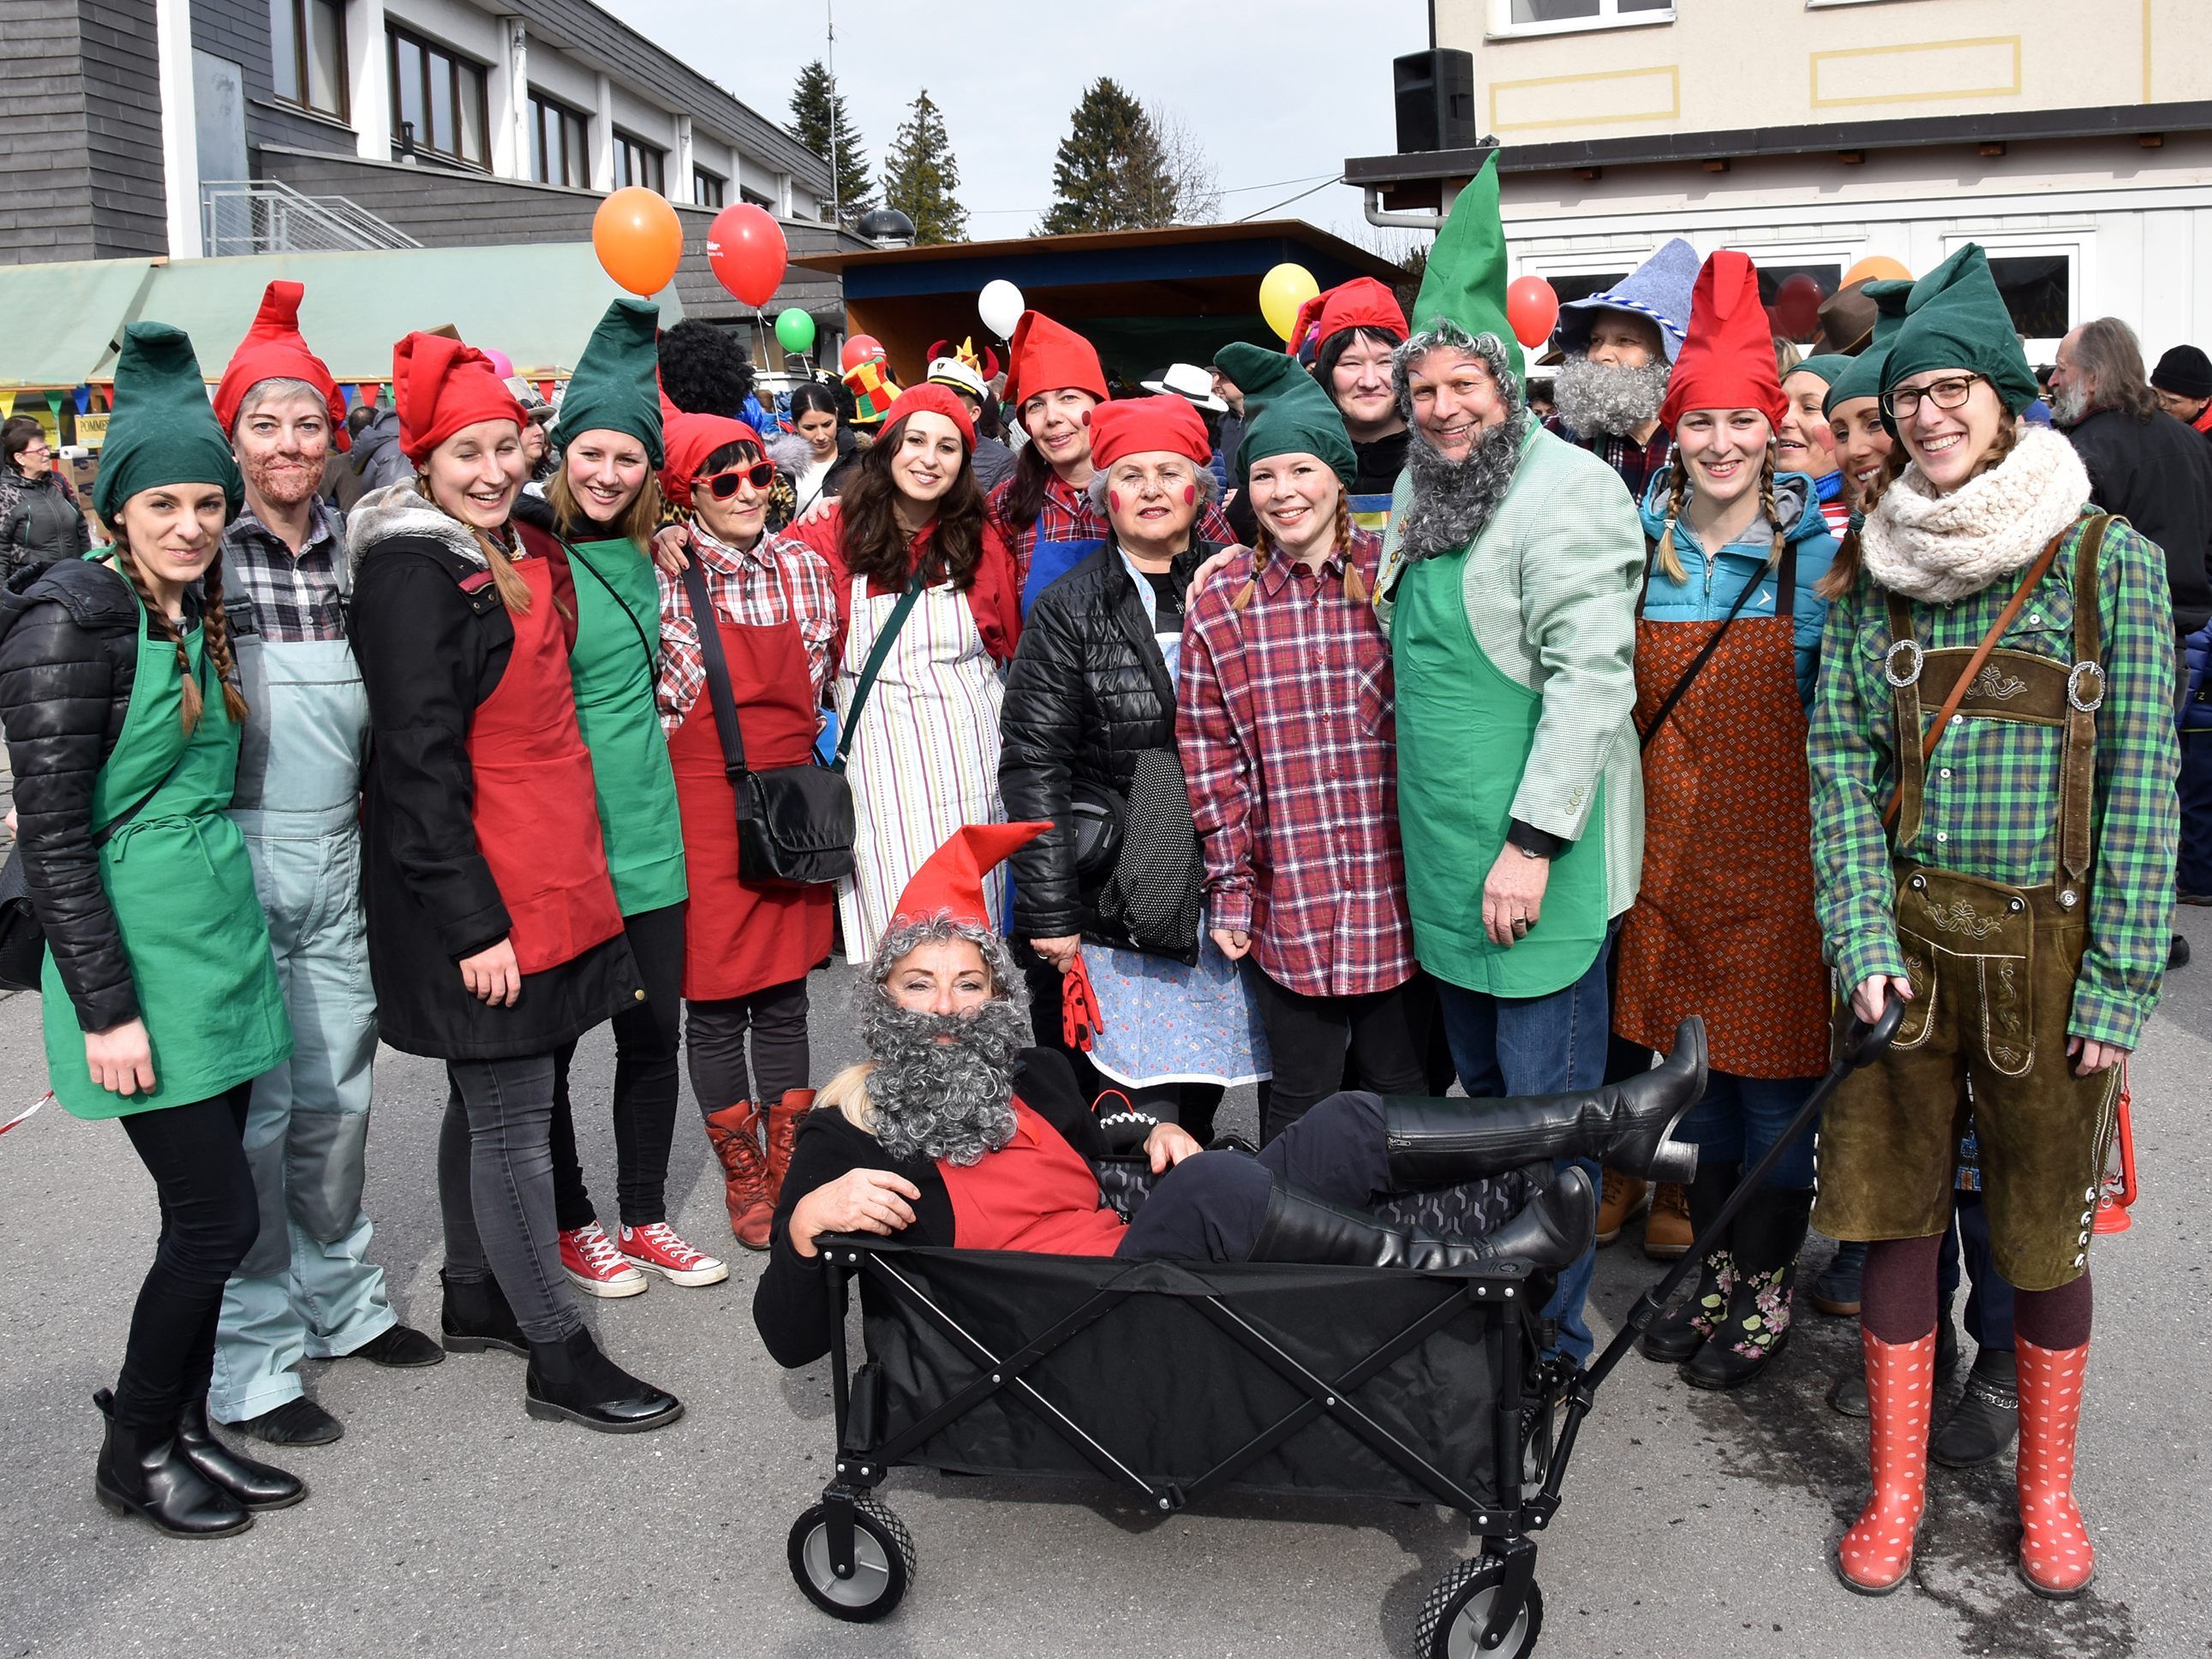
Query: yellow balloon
[[1282, 291]]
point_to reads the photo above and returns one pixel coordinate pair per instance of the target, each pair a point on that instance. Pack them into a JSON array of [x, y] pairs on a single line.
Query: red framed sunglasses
[[723, 485]]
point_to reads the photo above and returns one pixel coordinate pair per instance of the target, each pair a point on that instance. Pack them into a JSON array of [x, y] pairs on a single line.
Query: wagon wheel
[[883, 1562], [1452, 1618]]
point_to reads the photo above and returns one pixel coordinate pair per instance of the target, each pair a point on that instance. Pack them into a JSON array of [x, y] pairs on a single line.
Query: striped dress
[[925, 760]]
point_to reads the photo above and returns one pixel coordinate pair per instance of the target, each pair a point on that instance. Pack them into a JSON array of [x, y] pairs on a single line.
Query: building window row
[[438, 98]]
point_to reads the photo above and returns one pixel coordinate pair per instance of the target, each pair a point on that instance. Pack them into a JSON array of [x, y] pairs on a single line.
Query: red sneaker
[[658, 1250], [594, 1267]]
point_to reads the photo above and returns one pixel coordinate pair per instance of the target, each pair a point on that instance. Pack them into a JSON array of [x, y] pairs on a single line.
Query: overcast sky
[[1279, 92]]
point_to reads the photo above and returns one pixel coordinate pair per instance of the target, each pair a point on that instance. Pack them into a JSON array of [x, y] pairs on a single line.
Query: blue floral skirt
[[1165, 1022]]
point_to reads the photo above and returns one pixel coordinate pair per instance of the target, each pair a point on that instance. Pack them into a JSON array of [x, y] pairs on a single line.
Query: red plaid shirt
[[1068, 516], [759, 588], [1283, 718]]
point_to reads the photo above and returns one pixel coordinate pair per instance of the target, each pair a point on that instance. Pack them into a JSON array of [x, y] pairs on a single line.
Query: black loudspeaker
[[1435, 91]]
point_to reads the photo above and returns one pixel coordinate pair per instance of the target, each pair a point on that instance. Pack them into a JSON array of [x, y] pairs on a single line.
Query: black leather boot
[[1681, 1330], [255, 1485], [1626, 1126], [476, 1317], [1551, 1231], [1768, 1232], [1987, 1419], [144, 1472], [572, 1379]]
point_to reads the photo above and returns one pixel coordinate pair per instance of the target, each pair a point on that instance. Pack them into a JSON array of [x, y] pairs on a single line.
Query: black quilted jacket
[[68, 655], [1082, 701]]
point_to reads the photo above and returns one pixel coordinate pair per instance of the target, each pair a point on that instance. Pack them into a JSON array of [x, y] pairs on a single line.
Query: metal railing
[[261, 215]]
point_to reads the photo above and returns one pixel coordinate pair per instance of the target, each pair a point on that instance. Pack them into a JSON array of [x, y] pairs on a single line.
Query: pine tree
[[1110, 172], [818, 111], [920, 175]]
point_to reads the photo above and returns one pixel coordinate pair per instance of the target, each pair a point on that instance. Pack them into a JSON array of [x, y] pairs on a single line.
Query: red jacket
[[994, 599]]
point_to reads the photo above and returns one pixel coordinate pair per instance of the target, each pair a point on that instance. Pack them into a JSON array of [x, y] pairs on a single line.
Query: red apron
[[1035, 1192], [536, 819], [1723, 924], [739, 938]]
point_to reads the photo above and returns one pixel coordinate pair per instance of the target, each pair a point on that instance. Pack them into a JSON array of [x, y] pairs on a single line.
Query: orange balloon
[[1877, 268], [638, 239]]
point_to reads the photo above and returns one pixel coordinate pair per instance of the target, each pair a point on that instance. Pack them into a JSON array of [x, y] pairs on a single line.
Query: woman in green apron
[[602, 503], [160, 990]]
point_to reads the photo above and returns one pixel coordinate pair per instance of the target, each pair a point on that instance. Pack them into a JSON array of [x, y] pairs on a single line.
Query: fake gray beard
[[1597, 399], [1451, 501], [935, 1100]]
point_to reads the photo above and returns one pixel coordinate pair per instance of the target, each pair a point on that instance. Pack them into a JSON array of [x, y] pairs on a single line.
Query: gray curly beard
[[1598, 399], [932, 1100], [1452, 501]]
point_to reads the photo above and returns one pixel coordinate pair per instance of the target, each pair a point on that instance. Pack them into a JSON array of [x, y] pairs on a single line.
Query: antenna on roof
[[836, 195]]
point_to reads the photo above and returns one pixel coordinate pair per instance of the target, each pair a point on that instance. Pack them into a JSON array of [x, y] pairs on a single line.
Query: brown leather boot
[[783, 1117], [734, 1132]]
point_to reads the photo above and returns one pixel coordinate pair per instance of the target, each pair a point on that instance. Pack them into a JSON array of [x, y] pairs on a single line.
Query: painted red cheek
[[1189, 493], [1113, 501]]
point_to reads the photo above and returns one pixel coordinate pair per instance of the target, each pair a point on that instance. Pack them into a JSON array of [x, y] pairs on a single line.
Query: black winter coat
[[45, 524], [429, 655], [2157, 474], [1087, 691], [69, 656]]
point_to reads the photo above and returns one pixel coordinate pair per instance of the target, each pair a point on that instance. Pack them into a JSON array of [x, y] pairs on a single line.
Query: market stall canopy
[[537, 302]]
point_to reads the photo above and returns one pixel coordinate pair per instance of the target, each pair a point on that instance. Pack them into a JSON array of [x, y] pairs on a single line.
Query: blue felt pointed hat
[[1658, 288]]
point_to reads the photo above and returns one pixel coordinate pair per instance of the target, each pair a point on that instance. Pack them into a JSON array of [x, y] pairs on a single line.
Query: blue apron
[[1050, 560]]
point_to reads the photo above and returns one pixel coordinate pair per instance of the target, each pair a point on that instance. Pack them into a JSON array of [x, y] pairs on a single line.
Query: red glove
[[1080, 1021]]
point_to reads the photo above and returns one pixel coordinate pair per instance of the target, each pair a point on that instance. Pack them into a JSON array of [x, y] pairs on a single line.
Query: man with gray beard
[[952, 1133], [1508, 586], [1621, 345]]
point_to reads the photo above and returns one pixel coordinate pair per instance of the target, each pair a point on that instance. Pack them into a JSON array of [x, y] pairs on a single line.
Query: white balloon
[[1000, 307]]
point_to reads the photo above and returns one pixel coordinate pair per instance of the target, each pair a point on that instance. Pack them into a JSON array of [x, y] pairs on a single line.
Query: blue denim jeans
[[1988, 1299], [2192, 874], [1740, 1117], [1547, 1045]]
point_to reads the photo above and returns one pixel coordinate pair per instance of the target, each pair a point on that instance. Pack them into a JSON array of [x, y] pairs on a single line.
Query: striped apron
[[925, 760]]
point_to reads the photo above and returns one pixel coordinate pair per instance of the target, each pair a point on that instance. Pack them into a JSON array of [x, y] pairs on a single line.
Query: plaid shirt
[[1283, 720], [1068, 516], [1992, 785], [1636, 463], [757, 588], [295, 597]]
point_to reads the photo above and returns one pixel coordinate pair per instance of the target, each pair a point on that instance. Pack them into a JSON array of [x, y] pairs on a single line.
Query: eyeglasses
[[1903, 402], [723, 485], [37, 453]]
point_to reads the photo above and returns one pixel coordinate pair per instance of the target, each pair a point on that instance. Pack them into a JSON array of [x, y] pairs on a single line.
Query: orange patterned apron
[[1723, 924]]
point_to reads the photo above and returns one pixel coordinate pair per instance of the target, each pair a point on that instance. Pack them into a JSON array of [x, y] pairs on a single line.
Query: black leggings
[[495, 1189], [1386, 1033], [645, 1085], [210, 1217], [1189, 1105], [714, 1047]]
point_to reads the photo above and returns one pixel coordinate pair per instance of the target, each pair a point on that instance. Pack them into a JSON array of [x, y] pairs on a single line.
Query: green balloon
[[794, 331]]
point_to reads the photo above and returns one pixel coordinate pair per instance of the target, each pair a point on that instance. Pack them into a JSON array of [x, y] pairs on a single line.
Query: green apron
[[179, 881], [1464, 734], [615, 666]]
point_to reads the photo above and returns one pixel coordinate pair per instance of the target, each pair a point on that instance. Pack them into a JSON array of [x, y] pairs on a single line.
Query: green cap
[[1286, 411], [1828, 368], [164, 430], [1862, 378], [1956, 319], [1465, 282], [617, 385]]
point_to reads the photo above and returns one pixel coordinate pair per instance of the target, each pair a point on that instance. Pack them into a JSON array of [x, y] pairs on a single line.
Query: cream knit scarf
[[1940, 548]]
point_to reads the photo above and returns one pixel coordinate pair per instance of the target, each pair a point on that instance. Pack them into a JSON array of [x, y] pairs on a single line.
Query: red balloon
[[859, 349], [745, 246], [1532, 308], [1796, 308]]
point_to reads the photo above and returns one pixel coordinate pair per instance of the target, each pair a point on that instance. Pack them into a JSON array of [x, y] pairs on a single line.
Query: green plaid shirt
[[1992, 785]]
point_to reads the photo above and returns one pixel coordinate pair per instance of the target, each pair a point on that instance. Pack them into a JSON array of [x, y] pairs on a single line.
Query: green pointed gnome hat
[[617, 385], [163, 430], [1465, 282]]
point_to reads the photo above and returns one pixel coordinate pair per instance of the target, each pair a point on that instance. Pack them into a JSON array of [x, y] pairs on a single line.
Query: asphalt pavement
[[447, 1522]]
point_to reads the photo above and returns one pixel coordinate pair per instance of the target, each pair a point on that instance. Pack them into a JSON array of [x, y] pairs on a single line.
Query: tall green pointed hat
[[1863, 379], [1955, 318], [1286, 411], [1465, 282], [616, 385], [163, 431]]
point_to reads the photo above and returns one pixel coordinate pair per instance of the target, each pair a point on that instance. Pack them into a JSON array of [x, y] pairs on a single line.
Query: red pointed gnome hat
[[1362, 302], [688, 441], [441, 385], [1144, 426], [951, 880], [1727, 360], [273, 351], [1044, 357]]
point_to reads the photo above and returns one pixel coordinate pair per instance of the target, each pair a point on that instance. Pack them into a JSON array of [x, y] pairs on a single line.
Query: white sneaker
[[594, 1267]]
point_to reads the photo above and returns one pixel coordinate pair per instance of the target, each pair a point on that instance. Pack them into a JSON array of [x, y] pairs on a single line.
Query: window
[[637, 162], [560, 144], [2038, 289], [439, 94], [307, 55], [756, 198], [1538, 16], [707, 188]]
